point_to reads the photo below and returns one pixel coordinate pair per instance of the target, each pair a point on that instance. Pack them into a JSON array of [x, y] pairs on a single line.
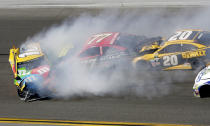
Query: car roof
[[193, 37], [101, 39], [29, 52], [179, 41], [192, 42]]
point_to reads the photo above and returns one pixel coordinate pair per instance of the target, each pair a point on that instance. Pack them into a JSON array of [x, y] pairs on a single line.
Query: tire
[[204, 91], [21, 94], [26, 95]]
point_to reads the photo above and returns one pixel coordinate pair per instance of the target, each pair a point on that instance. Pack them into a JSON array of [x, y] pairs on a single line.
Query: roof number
[[180, 35], [98, 38]]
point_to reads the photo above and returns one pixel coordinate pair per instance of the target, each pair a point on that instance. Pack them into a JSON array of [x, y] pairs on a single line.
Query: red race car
[[113, 49]]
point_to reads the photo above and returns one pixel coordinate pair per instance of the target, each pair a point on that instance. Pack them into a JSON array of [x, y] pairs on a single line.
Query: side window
[[171, 49], [204, 38], [90, 52], [110, 50], [188, 47], [162, 51]]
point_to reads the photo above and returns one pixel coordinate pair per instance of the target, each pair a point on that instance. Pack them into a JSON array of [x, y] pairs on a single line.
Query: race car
[[201, 87], [31, 70], [185, 50], [113, 49]]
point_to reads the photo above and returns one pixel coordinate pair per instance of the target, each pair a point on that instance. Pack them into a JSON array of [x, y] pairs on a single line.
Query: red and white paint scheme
[[42, 70], [107, 39]]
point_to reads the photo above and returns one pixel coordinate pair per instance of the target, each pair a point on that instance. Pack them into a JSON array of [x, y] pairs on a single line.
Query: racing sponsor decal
[[155, 62], [89, 60], [23, 71], [199, 53], [109, 57], [31, 78], [200, 76], [42, 70], [113, 56]]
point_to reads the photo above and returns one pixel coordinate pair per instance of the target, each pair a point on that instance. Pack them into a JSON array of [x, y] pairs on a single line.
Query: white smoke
[[73, 79]]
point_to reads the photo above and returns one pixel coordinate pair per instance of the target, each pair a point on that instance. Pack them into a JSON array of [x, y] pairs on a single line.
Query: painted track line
[[109, 5], [79, 123]]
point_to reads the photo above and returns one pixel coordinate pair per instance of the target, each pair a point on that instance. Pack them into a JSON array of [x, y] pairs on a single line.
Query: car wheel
[[21, 94], [204, 91]]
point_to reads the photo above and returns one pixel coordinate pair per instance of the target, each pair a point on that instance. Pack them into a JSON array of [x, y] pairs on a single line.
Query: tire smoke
[[72, 79]]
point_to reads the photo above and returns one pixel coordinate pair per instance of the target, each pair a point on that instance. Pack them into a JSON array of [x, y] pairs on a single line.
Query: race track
[[177, 107]]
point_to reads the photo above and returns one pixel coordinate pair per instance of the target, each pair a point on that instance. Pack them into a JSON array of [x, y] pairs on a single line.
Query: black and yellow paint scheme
[[149, 45], [149, 48], [185, 50]]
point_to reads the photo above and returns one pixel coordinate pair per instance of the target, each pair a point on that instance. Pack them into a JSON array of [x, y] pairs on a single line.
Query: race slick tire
[[204, 91]]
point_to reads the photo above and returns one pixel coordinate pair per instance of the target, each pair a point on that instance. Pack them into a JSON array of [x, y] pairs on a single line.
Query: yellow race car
[[185, 50]]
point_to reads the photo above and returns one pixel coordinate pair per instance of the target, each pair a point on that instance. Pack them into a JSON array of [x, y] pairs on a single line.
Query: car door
[[170, 56], [194, 55], [90, 56], [113, 56]]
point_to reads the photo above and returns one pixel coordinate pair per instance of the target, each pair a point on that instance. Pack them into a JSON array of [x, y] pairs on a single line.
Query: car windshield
[[204, 38], [29, 65], [110, 50]]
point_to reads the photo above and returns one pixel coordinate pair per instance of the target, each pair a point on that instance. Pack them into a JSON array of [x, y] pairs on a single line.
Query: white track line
[[109, 5]]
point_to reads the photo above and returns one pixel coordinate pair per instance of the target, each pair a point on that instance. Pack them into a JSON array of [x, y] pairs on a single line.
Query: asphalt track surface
[[178, 107]]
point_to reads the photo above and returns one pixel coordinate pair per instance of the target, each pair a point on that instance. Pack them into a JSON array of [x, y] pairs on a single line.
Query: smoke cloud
[[73, 79]]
